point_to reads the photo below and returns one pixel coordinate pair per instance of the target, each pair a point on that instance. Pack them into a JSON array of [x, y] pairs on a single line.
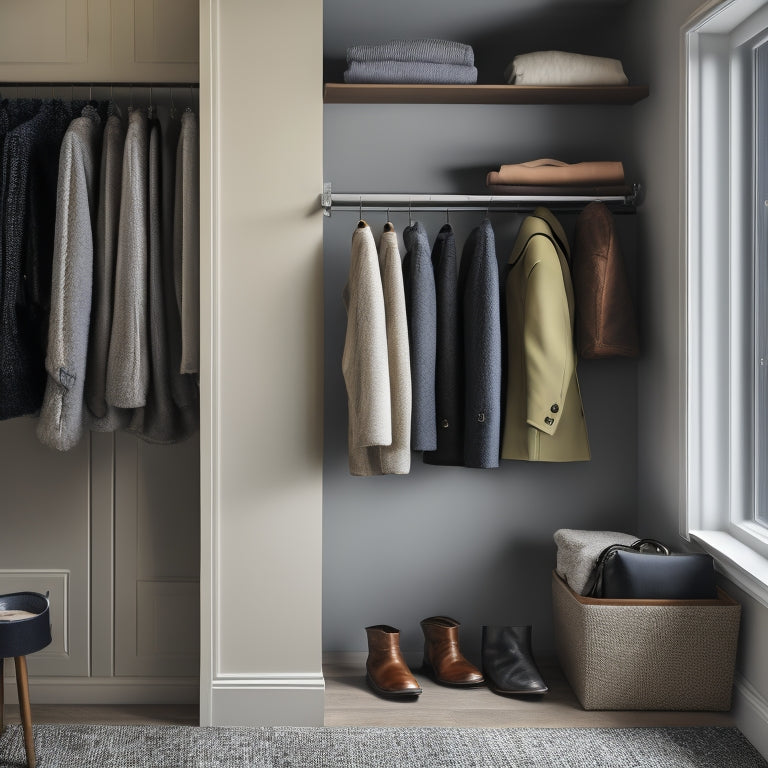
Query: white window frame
[[718, 316]]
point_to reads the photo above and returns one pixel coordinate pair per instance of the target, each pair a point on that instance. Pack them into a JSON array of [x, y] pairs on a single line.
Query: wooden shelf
[[353, 93]]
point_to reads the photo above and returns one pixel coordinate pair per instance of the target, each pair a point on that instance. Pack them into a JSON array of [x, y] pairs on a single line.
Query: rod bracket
[[326, 198]]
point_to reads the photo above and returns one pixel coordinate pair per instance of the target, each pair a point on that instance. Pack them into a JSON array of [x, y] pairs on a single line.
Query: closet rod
[[95, 84], [334, 201]]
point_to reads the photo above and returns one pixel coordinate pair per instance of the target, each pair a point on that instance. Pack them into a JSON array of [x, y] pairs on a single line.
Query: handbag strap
[[594, 585], [642, 544]]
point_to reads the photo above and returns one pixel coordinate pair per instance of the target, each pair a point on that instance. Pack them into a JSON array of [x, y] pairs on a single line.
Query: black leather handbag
[[646, 570]]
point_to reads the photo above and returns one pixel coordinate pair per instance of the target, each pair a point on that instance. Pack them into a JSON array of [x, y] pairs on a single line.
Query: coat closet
[[110, 527], [475, 545]]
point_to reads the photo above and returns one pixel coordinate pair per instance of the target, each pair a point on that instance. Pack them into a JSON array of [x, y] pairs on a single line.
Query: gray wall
[[656, 27], [473, 544]]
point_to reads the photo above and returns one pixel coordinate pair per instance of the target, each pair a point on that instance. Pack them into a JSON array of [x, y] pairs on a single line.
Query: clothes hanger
[[389, 226], [361, 224]]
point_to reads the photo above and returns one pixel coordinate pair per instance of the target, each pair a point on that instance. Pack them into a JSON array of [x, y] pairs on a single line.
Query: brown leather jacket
[[605, 315]]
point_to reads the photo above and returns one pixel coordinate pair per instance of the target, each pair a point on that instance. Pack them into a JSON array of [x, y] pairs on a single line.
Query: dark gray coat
[[449, 380], [421, 308], [30, 155], [481, 322]]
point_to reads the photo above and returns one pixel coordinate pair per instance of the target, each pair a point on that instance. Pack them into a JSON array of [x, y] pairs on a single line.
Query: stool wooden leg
[[26, 713], [2, 694]]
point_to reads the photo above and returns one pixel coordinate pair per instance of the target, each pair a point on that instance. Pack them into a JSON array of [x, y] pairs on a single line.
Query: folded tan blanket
[[561, 68], [547, 171]]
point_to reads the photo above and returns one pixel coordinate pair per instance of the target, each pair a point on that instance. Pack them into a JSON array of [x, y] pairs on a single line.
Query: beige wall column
[[261, 382]]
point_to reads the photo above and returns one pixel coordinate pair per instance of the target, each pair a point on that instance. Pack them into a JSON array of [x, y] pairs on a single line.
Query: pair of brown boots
[[388, 674]]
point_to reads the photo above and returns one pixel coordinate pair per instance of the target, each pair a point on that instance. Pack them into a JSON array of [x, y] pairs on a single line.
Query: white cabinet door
[[109, 41], [45, 539], [155, 40], [157, 558]]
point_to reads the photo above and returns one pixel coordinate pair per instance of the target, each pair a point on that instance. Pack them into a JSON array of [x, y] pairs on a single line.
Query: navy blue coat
[[421, 309], [481, 323]]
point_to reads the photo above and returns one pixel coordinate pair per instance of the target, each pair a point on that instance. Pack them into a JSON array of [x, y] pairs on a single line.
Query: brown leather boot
[[443, 660], [386, 671]]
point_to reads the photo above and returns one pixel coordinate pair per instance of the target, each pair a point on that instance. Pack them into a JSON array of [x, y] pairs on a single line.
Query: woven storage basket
[[647, 654]]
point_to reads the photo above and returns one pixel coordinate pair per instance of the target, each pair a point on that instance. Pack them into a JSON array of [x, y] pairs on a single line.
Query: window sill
[[738, 562]]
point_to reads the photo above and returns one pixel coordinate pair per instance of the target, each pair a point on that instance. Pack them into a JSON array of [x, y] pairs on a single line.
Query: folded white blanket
[[429, 50], [560, 68]]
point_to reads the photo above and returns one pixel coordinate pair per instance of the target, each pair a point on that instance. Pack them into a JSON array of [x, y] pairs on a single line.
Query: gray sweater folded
[[427, 50], [409, 72]]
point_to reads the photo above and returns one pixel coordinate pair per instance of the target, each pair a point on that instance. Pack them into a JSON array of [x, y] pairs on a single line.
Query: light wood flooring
[[348, 701]]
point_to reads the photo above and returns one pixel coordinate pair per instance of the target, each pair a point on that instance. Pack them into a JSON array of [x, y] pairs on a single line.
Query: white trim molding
[[268, 700], [107, 690], [750, 708], [717, 302]]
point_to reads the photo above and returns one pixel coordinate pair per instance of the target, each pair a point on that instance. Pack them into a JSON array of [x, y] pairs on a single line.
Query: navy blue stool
[[25, 627]]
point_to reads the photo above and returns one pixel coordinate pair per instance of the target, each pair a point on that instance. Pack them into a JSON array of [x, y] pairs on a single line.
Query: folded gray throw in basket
[[577, 553], [429, 50], [409, 72]]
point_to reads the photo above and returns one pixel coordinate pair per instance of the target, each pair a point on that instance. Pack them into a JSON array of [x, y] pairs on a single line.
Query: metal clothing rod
[[95, 84], [331, 201]]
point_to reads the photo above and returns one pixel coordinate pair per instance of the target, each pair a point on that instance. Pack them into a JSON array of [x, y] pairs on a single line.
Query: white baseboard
[[750, 710], [107, 690], [261, 700]]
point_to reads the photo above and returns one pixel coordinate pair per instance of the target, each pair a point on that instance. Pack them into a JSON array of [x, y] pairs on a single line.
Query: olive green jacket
[[544, 418]]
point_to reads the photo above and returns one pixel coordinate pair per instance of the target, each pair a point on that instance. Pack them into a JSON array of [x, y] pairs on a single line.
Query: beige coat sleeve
[[364, 361], [548, 339]]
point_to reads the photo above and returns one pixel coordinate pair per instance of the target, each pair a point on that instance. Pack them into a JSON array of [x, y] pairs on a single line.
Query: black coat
[[28, 178], [449, 377], [481, 323]]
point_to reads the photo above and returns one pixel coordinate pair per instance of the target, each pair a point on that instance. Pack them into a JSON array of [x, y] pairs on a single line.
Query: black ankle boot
[[508, 663]]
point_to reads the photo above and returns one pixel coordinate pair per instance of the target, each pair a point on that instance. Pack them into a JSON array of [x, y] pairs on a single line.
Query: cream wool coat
[[544, 418], [365, 361], [395, 459]]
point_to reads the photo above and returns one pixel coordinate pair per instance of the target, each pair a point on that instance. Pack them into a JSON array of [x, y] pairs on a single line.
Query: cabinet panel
[[56, 584], [166, 31], [155, 40], [60, 31], [129, 41], [157, 557], [45, 539]]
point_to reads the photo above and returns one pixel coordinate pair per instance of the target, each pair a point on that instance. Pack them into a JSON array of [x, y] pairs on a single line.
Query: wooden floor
[[348, 701]]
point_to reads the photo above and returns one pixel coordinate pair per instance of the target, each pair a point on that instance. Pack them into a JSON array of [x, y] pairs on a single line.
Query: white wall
[[261, 386], [656, 38]]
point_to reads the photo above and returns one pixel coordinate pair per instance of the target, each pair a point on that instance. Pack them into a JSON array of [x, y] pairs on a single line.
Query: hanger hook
[[361, 207], [410, 217], [447, 216]]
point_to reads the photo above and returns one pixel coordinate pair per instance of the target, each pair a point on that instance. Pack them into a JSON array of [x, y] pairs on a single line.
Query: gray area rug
[[126, 746]]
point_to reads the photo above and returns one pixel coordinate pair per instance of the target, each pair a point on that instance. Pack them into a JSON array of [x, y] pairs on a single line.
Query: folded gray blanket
[[577, 553], [409, 72], [429, 50]]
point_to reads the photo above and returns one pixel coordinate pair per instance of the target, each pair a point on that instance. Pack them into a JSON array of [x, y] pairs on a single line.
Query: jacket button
[[555, 408], [444, 423], [480, 417], [549, 420]]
